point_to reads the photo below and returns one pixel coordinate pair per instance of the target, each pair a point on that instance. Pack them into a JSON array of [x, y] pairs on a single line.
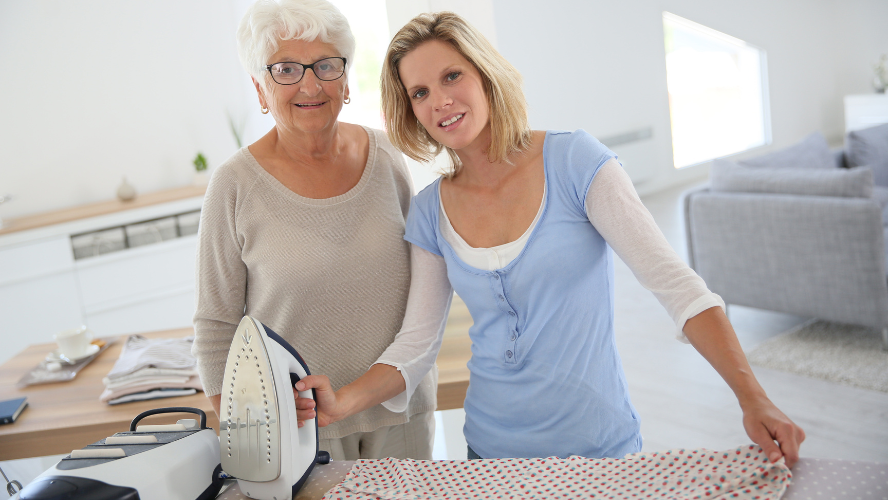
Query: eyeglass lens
[[287, 73]]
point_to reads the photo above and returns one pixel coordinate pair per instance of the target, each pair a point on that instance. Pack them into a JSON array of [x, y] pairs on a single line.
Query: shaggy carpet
[[846, 354]]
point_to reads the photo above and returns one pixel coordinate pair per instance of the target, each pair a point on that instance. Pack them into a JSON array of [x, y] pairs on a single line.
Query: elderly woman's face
[[447, 94], [311, 105]]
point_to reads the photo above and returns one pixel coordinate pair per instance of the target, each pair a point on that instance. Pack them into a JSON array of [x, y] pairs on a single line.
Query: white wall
[[610, 56], [480, 14], [97, 89]]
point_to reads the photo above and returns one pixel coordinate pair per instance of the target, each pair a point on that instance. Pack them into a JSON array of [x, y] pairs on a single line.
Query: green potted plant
[[201, 175]]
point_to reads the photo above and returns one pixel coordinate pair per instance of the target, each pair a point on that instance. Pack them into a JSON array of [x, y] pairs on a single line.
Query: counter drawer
[[35, 259], [119, 278]]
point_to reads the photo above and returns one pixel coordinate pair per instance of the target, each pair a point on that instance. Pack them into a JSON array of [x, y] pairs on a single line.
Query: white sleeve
[[616, 211], [416, 346]]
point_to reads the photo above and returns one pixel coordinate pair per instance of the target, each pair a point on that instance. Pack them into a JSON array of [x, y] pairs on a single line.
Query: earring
[[347, 100], [264, 110]]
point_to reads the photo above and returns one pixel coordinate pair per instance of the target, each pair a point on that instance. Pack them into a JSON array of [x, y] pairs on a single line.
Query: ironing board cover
[[741, 473]]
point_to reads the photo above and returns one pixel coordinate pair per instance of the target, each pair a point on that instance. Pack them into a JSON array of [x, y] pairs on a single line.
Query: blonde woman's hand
[[765, 424], [326, 406]]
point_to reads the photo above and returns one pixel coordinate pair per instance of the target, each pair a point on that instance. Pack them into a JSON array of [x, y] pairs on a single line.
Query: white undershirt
[[616, 211], [491, 258]]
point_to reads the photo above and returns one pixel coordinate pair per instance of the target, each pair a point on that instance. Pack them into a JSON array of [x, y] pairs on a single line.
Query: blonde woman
[[522, 227]]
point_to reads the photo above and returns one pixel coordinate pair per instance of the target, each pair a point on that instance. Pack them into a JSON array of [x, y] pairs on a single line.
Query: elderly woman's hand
[[326, 407]]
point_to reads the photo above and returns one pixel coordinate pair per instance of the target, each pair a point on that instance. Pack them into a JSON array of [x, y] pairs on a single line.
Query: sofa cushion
[[812, 152], [869, 147], [728, 176]]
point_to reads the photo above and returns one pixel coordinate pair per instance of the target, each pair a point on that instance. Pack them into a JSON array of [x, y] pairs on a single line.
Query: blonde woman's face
[[447, 95], [312, 105]]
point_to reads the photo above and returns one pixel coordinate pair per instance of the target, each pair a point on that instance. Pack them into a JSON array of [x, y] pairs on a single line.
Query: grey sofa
[[796, 251]]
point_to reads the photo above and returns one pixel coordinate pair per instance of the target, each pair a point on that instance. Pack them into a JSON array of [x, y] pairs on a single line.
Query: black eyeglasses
[[288, 73]]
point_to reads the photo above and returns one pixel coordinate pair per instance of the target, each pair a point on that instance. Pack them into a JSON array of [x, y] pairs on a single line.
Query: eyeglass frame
[[306, 67]]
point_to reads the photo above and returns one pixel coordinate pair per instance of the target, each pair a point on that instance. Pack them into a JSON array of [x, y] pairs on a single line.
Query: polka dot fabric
[[741, 473]]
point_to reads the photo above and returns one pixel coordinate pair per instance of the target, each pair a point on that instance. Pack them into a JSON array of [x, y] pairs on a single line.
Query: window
[[369, 24], [718, 100]]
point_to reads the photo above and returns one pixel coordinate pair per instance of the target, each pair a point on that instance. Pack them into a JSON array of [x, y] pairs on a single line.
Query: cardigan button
[[509, 354], [511, 313], [496, 276]]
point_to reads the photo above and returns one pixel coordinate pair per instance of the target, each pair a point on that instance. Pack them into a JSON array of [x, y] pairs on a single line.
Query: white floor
[[683, 403]]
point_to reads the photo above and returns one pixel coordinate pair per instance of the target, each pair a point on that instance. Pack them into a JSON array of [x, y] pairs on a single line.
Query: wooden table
[[66, 416]]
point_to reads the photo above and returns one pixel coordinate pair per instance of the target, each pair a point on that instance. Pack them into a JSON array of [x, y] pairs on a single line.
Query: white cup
[[74, 344]]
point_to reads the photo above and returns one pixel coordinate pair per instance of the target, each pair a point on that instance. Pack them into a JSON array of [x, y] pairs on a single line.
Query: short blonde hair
[[509, 129]]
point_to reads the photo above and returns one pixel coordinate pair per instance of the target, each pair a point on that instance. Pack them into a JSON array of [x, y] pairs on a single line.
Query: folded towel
[[155, 394], [147, 380], [149, 373], [151, 369], [190, 383], [139, 352]]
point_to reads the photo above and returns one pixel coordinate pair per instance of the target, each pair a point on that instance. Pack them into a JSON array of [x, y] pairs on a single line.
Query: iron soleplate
[[250, 437]]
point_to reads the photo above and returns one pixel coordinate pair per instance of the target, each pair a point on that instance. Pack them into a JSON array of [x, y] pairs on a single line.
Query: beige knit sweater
[[330, 276]]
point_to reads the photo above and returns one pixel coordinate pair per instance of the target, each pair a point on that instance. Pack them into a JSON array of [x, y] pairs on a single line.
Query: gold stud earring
[[264, 110], [347, 100]]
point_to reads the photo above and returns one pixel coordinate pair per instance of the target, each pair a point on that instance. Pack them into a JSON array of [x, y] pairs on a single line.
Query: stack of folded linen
[[152, 369]]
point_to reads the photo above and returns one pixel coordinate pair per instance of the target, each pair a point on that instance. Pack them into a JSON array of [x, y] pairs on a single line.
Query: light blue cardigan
[[546, 378]]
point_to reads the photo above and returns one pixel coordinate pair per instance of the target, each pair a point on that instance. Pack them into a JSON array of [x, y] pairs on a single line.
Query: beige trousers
[[413, 439]]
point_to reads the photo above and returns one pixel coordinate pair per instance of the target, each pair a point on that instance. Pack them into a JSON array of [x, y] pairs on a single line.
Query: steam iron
[[260, 442]]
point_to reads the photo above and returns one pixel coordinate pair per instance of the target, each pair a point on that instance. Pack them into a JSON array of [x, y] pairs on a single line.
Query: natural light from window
[[718, 100], [369, 24]]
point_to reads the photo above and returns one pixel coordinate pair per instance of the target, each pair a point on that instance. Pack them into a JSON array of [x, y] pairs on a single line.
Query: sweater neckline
[[335, 200]]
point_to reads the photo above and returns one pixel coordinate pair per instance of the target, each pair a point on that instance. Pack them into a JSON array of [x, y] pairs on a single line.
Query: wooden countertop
[[101, 208], [68, 415]]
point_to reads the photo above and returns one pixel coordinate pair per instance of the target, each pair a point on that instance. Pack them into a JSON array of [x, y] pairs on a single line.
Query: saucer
[[57, 356]]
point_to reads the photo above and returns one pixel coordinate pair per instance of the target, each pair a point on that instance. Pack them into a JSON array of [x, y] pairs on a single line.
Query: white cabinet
[[140, 289], [84, 273], [865, 110], [38, 293]]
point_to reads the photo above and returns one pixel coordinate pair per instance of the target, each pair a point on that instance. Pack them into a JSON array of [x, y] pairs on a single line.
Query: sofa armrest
[[806, 255], [687, 196]]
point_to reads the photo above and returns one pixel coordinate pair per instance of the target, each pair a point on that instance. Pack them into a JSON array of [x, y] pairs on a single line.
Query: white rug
[[841, 353]]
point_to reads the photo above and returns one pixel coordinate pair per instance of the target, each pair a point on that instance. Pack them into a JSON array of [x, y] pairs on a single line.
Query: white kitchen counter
[[143, 280]]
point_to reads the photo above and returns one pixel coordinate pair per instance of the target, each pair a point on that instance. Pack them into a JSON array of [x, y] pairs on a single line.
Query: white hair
[[268, 22]]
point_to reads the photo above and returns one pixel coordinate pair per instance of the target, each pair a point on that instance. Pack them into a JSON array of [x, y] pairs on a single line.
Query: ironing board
[[813, 479]]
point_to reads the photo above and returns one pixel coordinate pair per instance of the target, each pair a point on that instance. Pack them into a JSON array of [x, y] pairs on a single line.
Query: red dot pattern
[[741, 473]]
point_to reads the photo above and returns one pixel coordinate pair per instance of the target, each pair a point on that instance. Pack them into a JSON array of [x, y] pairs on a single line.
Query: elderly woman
[[303, 230], [523, 227]]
